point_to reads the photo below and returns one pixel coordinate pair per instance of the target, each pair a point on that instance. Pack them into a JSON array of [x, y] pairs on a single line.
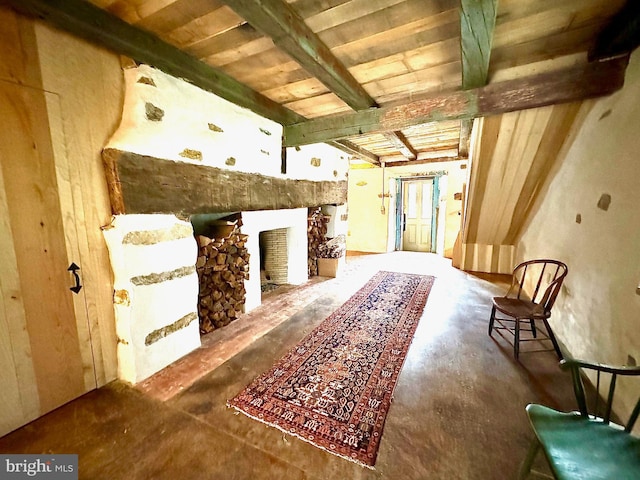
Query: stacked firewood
[[316, 236], [334, 248], [222, 266]]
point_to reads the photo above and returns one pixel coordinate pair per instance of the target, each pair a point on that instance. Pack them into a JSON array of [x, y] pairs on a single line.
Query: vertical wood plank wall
[[514, 155], [89, 87], [62, 99]]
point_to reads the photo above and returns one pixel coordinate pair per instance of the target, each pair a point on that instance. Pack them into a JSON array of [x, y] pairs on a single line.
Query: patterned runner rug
[[334, 388]]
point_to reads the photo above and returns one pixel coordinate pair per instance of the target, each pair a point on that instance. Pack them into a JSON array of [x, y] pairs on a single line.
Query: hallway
[[458, 409]]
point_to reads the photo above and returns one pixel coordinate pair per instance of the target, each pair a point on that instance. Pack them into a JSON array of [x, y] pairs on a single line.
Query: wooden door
[[41, 356], [418, 215]]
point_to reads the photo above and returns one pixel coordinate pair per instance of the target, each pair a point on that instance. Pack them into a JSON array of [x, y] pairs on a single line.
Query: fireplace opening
[[274, 259], [222, 266]]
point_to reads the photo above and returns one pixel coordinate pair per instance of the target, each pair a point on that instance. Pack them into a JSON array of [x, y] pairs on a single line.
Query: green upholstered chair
[[535, 285], [586, 445]]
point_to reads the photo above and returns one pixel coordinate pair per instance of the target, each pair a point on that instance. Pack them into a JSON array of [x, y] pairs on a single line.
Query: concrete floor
[[458, 410]]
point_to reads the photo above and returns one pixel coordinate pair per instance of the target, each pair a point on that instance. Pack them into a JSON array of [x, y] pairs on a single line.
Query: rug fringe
[[287, 432]]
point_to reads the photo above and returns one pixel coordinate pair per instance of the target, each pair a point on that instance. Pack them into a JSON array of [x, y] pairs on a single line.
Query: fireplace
[[277, 244], [274, 259], [163, 170]]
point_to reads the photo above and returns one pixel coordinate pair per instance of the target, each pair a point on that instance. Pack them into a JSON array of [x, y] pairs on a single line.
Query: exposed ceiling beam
[[477, 23], [621, 36], [400, 142], [465, 137], [278, 20], [422, 161], [562, 86], [359, 152], [100, 27]]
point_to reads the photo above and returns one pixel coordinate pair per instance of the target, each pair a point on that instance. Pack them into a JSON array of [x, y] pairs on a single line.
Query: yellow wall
[[597, 315], [369, 228]]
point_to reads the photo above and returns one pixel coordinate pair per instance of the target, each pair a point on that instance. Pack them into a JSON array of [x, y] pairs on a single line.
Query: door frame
[[401, 183]]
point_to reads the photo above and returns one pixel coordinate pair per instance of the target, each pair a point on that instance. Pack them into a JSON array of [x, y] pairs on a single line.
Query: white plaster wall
[[142, 308], [253, 141], [295, 221], [336, 226], [198, 120], [302, 163], [597, 315]]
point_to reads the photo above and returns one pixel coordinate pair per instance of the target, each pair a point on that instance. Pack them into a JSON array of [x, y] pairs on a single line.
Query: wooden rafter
[[353, 149], [423, 161], [562, 86], [399, 141]]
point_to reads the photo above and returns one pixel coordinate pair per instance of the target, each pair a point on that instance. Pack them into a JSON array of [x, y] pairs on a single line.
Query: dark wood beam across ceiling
[[278, 20], [562, 86]]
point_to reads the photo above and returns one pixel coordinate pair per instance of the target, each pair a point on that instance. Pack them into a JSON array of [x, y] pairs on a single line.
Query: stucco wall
[[597, 315]]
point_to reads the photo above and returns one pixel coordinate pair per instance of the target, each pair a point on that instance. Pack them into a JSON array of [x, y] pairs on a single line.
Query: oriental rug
[[334, 388]]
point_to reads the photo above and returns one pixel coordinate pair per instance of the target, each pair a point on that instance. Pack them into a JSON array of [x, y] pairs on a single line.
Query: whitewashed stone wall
[[168, 118], [156, 283], [155, 292]]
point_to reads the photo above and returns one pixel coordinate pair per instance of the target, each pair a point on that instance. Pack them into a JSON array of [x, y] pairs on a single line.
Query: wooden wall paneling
[[19, 401], [34, 210], [485, 143], [72, 216], [519, 138], [19, 397], [557, 137], [90, 107]]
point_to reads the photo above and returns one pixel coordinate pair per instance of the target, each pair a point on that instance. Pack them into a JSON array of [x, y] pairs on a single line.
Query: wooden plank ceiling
[[309, 63]]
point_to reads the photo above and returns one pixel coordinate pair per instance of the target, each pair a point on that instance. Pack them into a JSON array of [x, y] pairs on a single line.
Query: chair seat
[[584, 449], [518, 308]]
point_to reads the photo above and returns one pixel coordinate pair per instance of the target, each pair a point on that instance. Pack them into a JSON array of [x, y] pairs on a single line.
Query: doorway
[[417, 214]]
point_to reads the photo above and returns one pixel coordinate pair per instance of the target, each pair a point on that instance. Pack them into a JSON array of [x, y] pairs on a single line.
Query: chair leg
[[525, 468], [534, 332], [516, 339], [492, 319], [552, 337]]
